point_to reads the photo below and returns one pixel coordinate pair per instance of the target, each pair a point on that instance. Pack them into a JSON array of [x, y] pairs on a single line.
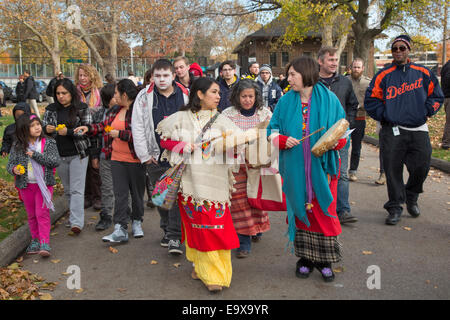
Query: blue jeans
[[245, 242], [343, 184]]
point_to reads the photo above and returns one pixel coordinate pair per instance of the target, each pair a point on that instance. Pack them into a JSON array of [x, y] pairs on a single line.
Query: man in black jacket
[[31, 93], [445, 85], [343, 89], [20, 89]]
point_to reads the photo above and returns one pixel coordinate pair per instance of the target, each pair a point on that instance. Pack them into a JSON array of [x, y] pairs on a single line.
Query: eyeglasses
[[401, 48]]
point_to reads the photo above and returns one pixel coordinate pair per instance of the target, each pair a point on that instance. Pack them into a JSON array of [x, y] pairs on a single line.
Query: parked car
[[41, 86], [7, 91]]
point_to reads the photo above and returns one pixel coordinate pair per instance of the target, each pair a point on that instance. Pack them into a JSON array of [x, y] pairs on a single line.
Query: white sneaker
[[136, 228], [119, 235]]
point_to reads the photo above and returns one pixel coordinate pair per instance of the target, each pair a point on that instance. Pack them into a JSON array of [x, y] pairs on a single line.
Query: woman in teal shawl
[[310, 182]]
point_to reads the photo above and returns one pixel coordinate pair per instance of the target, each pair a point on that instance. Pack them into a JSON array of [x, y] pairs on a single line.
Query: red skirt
[[319, 222], [207, 228], [247, 220]]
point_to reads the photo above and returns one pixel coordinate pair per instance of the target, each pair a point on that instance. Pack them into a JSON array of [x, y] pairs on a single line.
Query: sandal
[[326, 271], [304, 268], [194, 275], [214, 288]]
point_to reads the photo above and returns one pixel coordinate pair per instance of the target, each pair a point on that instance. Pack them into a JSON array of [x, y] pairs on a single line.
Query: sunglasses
[[401, 48]]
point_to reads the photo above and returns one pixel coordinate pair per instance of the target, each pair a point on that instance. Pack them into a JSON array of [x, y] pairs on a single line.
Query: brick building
[[262, 46]]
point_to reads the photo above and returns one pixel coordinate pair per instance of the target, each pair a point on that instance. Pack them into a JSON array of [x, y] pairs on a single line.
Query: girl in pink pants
[[32, 161]]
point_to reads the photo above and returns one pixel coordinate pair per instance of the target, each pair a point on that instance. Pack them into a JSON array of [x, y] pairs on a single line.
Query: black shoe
[[413, 209], [175, 247], [346, 217], [304, 268], [164, 242], [104, 223], [326, 271], [393, 218]]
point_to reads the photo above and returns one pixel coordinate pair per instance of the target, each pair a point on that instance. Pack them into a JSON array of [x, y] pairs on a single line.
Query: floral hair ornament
[[33, 116]]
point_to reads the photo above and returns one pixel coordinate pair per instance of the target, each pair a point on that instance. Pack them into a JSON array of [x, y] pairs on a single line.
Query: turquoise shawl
[[287, 119]]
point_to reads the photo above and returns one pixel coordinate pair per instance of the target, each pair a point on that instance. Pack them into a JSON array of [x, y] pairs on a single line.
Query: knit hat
[[405, 39], [266, 67], [196, 70]]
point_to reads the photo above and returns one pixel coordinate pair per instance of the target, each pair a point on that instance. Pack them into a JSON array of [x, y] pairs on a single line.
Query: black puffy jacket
[[342, 87]]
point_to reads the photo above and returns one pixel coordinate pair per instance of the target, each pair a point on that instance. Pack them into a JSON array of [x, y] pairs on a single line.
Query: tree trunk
[[111, 66], [55, 52]]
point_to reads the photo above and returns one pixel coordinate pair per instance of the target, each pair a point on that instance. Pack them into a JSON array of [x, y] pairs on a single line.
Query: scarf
[[39, 175], [324, 111], [94, 96]]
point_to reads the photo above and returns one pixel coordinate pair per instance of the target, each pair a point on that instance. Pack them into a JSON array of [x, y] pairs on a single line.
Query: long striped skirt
[[246, 220]]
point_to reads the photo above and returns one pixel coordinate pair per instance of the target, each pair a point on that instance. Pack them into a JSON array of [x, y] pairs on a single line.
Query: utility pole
[[20, 53], [444, 41]]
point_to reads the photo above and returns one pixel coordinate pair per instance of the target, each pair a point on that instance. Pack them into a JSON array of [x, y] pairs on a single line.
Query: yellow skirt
[[212, 267]]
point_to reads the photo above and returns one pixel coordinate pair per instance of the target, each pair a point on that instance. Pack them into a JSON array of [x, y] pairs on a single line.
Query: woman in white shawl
[[206, 184]]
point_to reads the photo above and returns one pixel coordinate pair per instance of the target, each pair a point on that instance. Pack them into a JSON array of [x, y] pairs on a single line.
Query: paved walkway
[[412, 257]]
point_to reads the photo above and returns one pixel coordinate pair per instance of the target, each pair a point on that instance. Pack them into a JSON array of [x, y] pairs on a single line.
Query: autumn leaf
[[338, 269], [177, 265], [14, 266], [56, 261], [154, 262], [79, 290], [113, 250], [45, 296], [367, 252], [407, 228]]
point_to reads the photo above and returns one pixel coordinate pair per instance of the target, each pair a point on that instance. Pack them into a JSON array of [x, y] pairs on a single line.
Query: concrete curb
[[436, 163], [17, 242]]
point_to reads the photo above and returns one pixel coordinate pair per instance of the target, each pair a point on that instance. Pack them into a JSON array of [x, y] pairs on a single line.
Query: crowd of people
[[111, 143]]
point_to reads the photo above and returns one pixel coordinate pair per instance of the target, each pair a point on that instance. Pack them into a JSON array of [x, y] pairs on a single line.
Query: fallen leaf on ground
[[79, 290], [66, 274], [56, 261], [71, 233], [45, 296], [113, 250], [154, 262], [367, 252], [94, 217], [338, 269], [49, 286], [20, 259], [53, 234], [177, 265], [14, 266], [121, 290], [407, 228], [35, 261]]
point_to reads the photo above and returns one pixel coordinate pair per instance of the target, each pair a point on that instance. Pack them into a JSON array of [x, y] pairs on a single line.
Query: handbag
[[265, 192], [166, 188]]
